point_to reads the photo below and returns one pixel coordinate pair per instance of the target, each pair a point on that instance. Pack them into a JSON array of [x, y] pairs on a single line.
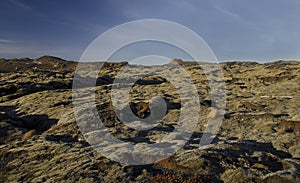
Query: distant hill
[[47, 63]]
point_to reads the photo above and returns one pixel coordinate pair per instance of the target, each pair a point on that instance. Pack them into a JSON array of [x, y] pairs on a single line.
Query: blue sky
[[256, 30]]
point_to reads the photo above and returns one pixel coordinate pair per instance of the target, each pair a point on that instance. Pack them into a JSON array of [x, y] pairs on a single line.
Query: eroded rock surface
[[258, 141]]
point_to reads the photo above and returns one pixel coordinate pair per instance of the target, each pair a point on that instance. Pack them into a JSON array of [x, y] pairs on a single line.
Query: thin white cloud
[[217, 5], [7, 41], [152, 10], [20, 4], [187, 6], [18, 51], [225, 11]]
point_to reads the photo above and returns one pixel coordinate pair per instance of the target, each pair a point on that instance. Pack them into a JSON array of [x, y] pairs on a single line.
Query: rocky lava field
[[258, 140]]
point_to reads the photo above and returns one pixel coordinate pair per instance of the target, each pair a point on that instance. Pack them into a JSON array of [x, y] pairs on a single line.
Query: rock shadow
[[38, 122]]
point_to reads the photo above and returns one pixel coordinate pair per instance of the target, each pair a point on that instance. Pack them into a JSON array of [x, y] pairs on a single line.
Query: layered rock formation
[[258, 141]]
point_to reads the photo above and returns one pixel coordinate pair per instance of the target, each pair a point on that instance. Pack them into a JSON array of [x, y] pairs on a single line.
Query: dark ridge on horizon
[[51, 57], [52, 63]]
